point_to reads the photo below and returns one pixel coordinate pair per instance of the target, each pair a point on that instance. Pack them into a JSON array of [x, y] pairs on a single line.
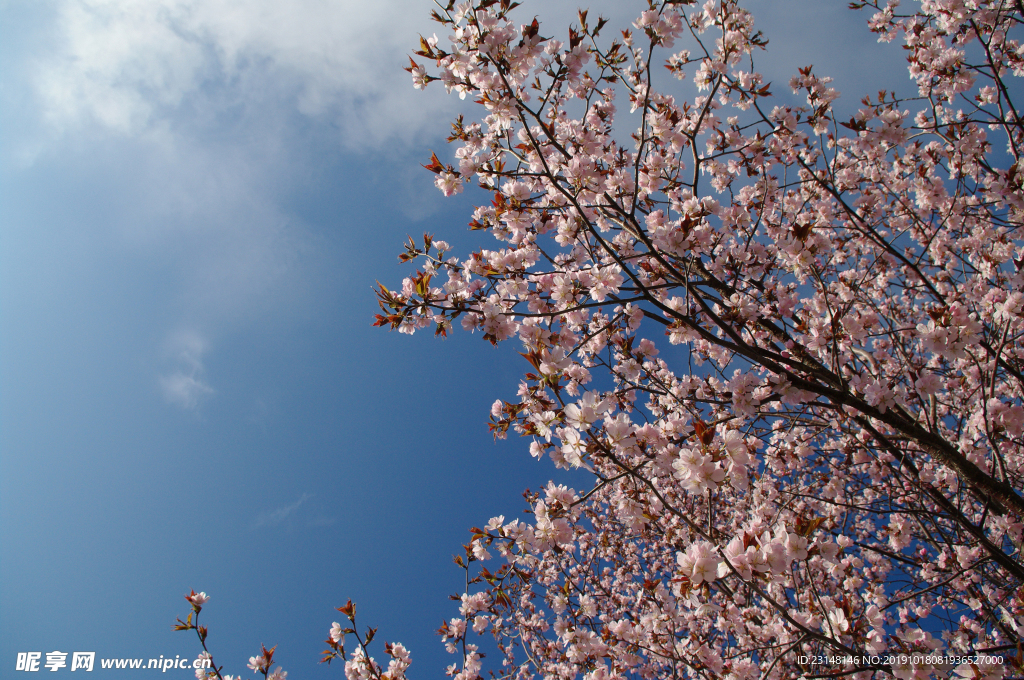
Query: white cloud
[[129, 65], [184, 386], [138, 65], [275, 517], [184, 390]]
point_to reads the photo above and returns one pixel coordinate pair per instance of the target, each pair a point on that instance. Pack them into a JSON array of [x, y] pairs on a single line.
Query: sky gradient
[[196, 197]]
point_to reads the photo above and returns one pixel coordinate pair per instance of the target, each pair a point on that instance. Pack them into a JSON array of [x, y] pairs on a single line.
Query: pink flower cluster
[[824, 456]]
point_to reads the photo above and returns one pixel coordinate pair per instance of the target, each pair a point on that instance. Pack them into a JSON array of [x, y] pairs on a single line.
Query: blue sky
[[196, 198]]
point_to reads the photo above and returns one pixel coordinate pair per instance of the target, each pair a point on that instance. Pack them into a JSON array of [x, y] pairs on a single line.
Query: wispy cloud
[[184, 386], [128, 65], [139, 66], [275, 517]]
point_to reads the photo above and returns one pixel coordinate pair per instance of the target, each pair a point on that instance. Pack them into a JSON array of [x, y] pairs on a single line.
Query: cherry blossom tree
[[786, 345]]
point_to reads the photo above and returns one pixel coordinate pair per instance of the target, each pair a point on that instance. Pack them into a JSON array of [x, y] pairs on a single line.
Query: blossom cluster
[[787, 346]]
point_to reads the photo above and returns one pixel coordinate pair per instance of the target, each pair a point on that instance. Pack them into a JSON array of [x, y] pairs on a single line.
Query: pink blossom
[[197, 599], [839, 421]]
